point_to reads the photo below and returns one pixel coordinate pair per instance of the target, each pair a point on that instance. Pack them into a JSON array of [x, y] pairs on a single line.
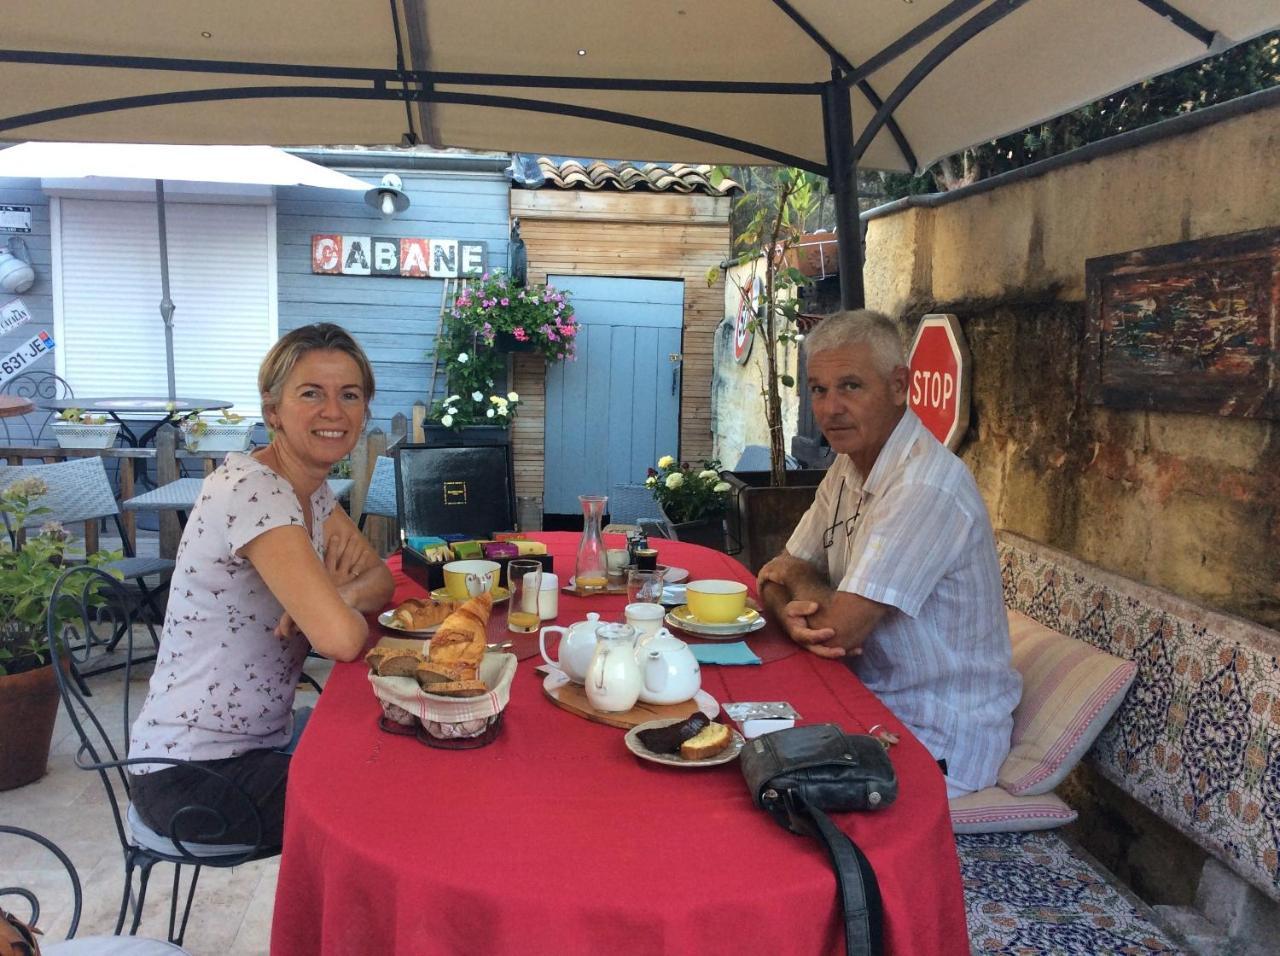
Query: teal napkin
[[735, 652]]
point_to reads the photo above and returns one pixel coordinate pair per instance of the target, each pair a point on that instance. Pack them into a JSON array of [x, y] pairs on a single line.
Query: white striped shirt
[[915, 535]]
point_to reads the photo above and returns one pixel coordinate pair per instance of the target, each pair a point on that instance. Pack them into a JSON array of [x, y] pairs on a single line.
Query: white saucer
[[748, 623], [633, 743]]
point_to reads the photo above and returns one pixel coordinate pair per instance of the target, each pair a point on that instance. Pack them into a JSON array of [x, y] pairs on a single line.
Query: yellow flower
[[708, 474], [674, 480], [666, 461]]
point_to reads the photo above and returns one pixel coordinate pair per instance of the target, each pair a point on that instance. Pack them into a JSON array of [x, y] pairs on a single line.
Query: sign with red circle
[[749, 298], [938, 388]]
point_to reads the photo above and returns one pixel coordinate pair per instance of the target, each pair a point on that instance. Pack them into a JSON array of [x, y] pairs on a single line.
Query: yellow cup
[[465, 579], [716, 602]]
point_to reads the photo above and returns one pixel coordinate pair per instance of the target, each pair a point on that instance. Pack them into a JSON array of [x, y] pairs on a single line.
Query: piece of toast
[[428, 673], [459, 688], [711, 740]]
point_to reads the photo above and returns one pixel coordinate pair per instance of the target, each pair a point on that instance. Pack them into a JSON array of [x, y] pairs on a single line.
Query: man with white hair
[[893, 568]]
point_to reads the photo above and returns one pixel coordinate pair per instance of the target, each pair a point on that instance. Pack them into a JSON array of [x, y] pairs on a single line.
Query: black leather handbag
[[800, 773]]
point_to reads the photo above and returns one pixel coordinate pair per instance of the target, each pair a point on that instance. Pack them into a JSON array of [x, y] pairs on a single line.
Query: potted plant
[[76, 428], [29, 568], [227, 432], [694, 501], [486, 320], [776, 214]]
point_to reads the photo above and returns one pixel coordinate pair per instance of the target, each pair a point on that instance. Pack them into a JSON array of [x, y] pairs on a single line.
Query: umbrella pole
[[837, 130], [166, 303]]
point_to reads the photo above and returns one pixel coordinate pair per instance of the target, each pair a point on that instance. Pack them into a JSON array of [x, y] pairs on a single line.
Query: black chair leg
[[186, 910], [125, 895], [144, 875]]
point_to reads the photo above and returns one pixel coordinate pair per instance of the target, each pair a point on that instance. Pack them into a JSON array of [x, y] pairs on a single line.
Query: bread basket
[[449, 722]]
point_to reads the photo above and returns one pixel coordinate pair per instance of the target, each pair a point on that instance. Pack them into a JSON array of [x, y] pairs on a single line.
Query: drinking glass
[[524, 579], [644, 587]]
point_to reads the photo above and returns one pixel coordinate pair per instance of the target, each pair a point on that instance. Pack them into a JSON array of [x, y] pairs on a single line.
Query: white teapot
[[577, 645], [671, 672]]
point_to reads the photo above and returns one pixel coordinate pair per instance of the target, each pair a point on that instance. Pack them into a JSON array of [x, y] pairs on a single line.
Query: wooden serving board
[[573, 698]]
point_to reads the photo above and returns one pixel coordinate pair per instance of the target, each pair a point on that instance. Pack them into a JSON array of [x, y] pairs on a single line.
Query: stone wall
[[1186, 502]]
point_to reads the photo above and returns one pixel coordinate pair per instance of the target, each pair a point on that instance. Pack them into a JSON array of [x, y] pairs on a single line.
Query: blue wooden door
[[615, 410]]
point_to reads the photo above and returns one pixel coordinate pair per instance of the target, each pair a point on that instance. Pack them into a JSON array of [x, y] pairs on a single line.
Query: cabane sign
[[402, 258]]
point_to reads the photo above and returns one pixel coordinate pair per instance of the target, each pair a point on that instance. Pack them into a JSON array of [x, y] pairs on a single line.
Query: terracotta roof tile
[[678, 177]]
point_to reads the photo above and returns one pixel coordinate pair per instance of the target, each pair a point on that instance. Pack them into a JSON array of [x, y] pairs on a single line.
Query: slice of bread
[[429, 673], [711, 740], [458, 688], [398, 664]]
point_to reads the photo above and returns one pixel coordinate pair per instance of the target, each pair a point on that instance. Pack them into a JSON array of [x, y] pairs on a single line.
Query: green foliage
[[28, 574], [686, 494], [79, 416], [1243, 69], [481, 313]]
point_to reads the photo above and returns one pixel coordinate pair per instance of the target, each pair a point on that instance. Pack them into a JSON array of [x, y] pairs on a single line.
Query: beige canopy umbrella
[[818, 84]]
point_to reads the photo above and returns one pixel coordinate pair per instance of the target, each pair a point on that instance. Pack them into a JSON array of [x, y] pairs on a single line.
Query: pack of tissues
[[761, 717]]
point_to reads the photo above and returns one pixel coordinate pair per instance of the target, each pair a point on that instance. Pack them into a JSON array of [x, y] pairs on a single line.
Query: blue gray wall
[[394, 319]]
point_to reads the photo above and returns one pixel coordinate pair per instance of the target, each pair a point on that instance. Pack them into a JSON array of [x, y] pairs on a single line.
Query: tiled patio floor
[[232, 910]]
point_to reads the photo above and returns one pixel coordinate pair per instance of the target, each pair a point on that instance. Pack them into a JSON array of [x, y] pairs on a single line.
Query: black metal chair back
[[38, 385], [32, 917], [86, 601]]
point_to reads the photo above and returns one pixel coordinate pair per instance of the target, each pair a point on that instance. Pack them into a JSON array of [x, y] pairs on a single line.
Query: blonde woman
[[268, 567]]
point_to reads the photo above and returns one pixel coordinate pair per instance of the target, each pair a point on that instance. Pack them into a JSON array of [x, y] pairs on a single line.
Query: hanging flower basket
[[81, 435]]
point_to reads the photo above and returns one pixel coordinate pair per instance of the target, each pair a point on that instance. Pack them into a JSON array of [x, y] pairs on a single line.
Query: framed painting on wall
[[1187, 327]]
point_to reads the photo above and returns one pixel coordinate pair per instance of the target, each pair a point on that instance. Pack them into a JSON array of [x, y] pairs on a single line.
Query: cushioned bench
[[1196, 739]]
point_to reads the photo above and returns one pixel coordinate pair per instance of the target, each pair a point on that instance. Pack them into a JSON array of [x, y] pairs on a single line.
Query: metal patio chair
[[85, 945], [37, 385], [80, 492], [85, 599]]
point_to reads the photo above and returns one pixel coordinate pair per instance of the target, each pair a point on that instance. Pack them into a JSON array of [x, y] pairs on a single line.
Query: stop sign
[[938, 390]]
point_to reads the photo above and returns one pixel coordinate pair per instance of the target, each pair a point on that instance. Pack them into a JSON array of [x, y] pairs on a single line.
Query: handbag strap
[[856, 883]]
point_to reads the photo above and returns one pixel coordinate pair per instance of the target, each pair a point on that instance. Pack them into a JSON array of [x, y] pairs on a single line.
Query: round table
[[555, 838]]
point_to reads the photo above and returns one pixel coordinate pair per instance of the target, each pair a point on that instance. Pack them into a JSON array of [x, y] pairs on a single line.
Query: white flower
[[452, 410], [495, 399], [799, 337], [512, 397], [477, 396], [489, 413], [666, 461], [721, 487], [708, 474], [503, 411], [674, 480], [446, 420], [451, 399], [651, 480], [463, 358]]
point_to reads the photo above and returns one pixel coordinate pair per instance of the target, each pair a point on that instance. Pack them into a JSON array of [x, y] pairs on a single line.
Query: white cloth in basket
[[445, 717]]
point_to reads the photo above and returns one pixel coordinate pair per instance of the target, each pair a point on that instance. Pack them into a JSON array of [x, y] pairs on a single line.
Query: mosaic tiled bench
[[1196, 740]]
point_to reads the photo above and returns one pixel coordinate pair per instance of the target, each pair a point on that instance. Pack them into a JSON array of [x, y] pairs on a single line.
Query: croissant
[[461, 636], [416, 614]]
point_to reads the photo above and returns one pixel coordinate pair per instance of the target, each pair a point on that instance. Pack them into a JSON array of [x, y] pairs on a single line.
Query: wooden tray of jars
[[572, 697]]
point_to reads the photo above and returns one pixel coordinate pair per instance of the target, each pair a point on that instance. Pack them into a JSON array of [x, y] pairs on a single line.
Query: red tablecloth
[[556, 839]]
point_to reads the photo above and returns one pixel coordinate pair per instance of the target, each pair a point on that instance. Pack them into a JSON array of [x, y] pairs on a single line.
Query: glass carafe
[[591, 570]]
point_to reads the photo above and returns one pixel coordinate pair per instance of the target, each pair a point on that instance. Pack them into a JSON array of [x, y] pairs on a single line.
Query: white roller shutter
[[109, 334]]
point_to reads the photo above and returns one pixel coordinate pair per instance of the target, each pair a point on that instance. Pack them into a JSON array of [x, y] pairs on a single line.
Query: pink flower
[[505, 301], [520, 334]]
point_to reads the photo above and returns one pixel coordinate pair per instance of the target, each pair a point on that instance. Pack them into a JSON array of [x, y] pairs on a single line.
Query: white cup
[[548, 597], [645, 618]]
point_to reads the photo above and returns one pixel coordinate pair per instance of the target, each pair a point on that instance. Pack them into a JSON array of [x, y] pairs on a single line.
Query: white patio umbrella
[[259, 165], [819, 84]]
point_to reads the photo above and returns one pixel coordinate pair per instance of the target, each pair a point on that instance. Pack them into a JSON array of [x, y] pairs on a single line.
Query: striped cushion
[[994, 811], [1069, 692]]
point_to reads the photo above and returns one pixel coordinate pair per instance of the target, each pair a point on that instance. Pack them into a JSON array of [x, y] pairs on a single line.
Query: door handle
[[676, 359]]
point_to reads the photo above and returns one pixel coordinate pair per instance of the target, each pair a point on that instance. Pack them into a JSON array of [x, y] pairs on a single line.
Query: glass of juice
[[524, 580]]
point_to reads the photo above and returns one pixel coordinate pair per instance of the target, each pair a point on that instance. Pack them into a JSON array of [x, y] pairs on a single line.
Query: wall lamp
[[388, 197]]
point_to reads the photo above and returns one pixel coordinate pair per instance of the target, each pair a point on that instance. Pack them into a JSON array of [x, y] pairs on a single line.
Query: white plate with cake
[[693, 741]]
